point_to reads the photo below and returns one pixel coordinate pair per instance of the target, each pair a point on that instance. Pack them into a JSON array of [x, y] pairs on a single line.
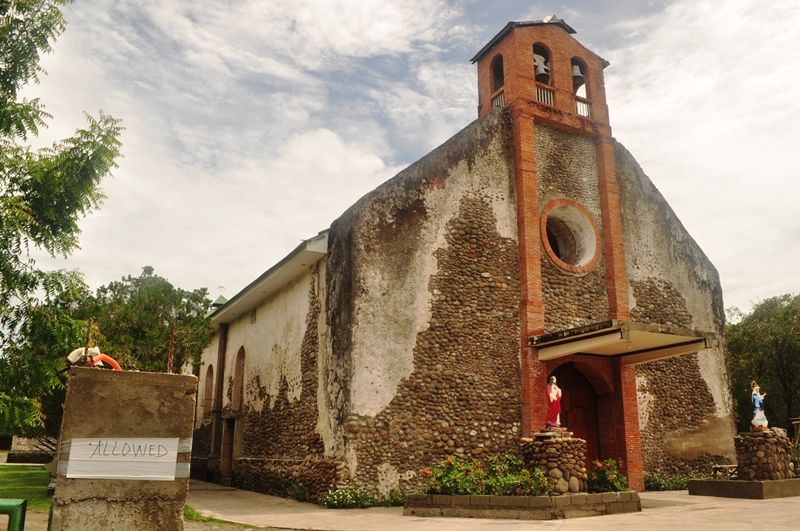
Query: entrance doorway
[[226, 460], [579, 407]]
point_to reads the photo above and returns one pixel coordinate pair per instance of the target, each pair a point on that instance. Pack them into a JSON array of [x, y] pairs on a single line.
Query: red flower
[[424, 472]]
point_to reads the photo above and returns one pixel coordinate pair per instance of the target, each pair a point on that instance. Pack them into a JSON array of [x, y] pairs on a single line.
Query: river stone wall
[[425, 274], [280, 449], [566, 167]]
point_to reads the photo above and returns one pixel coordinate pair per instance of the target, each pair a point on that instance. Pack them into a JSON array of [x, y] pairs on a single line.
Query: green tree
[[43, 193], [764, 345], [138, 315], [132, 321], [31, 387]]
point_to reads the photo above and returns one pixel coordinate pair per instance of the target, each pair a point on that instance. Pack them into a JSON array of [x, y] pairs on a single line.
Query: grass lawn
[[26, 482]]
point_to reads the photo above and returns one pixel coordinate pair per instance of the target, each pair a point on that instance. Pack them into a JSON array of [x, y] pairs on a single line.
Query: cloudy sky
[[252, 124]]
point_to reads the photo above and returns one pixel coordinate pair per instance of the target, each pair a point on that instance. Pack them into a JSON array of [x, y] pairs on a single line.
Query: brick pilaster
[[629, 439], [613, 245], [531, 303]]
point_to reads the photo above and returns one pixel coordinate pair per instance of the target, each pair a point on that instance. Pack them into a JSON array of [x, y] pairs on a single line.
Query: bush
[[501, 476], [298, 492], [605, 477], [507, 476], [347, 498], [394, 498], [654, 481], [452, 476]]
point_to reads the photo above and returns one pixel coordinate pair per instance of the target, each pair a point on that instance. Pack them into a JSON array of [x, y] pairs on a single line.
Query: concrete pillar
[[125, 451]]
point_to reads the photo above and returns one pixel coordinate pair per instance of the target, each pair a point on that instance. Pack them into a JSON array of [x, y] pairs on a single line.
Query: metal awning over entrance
[[634, 342]]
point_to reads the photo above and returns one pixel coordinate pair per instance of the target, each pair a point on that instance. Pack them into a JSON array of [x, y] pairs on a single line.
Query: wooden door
[[578, 407]]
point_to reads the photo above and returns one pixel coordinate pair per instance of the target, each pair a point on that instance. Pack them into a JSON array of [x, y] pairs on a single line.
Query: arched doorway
[[579, 407], [229, 425]]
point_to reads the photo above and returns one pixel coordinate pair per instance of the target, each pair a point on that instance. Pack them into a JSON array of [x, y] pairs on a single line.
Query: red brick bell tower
[[547, 79]]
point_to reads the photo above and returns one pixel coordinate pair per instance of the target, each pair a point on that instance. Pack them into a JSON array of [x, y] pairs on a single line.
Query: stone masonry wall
[[423, 301], [566, 167], [463, 396], [684, 402], [281, 451]]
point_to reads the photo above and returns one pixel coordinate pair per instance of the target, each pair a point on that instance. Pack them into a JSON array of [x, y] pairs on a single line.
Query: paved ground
[[662, 511]]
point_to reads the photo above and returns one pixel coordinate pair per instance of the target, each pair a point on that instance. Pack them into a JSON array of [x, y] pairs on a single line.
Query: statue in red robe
[[553, 404]]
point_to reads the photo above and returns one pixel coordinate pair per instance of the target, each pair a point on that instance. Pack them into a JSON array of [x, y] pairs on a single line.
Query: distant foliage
[[605, 477], [653, 481], [48, 327], [132, 321], [136, 316], [764, 345]]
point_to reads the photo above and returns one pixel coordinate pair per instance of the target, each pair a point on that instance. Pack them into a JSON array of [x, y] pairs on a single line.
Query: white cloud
[[706, 101], [251, 125], [425, 114]]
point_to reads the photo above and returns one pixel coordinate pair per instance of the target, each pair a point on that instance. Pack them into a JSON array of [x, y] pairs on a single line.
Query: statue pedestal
[[763, 456], [561, 456]]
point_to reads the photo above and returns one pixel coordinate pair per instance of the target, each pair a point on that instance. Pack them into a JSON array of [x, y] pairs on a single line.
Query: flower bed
[[522, 507]]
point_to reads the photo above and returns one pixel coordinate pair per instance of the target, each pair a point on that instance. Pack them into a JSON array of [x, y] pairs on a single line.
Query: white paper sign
[[127, 458]]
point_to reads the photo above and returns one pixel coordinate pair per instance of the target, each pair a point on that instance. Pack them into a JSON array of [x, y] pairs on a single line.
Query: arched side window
[[238, 381], [541, 64], [208, 392], [498, 78]]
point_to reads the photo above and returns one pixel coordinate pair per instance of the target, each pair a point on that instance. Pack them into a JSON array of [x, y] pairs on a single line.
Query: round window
[[570, 235]]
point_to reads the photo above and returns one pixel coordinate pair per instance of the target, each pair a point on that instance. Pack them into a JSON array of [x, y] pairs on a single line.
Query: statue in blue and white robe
[[759, 421]]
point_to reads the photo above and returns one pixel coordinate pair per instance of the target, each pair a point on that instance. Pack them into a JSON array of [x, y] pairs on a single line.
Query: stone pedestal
[[561, 456], [763, 456]]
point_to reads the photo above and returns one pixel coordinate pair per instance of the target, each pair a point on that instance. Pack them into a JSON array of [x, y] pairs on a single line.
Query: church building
[[426, 320]]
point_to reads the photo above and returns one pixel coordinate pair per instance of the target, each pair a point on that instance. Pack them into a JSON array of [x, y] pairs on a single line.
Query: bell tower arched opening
[[541, 64], [498, 76]]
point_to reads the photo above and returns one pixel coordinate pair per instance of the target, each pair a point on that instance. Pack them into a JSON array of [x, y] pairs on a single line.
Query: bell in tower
[[541, 64]]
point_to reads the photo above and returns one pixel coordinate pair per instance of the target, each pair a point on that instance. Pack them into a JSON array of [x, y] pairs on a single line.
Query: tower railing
[[583, 107], [498, 99], [545, 94]]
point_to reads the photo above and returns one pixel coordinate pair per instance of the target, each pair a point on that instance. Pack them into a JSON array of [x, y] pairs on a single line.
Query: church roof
[[552, 19]]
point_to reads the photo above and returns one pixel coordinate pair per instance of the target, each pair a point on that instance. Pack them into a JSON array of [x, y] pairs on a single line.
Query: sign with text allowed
[[123, 458]]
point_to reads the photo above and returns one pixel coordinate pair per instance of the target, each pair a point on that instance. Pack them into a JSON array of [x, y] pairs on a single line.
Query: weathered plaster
[[645, 400], [329, 394], [272, 345], [208, 357], [393, 304]]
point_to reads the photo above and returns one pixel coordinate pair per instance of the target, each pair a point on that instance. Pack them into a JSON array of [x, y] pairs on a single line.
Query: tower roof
[[552, 19]]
